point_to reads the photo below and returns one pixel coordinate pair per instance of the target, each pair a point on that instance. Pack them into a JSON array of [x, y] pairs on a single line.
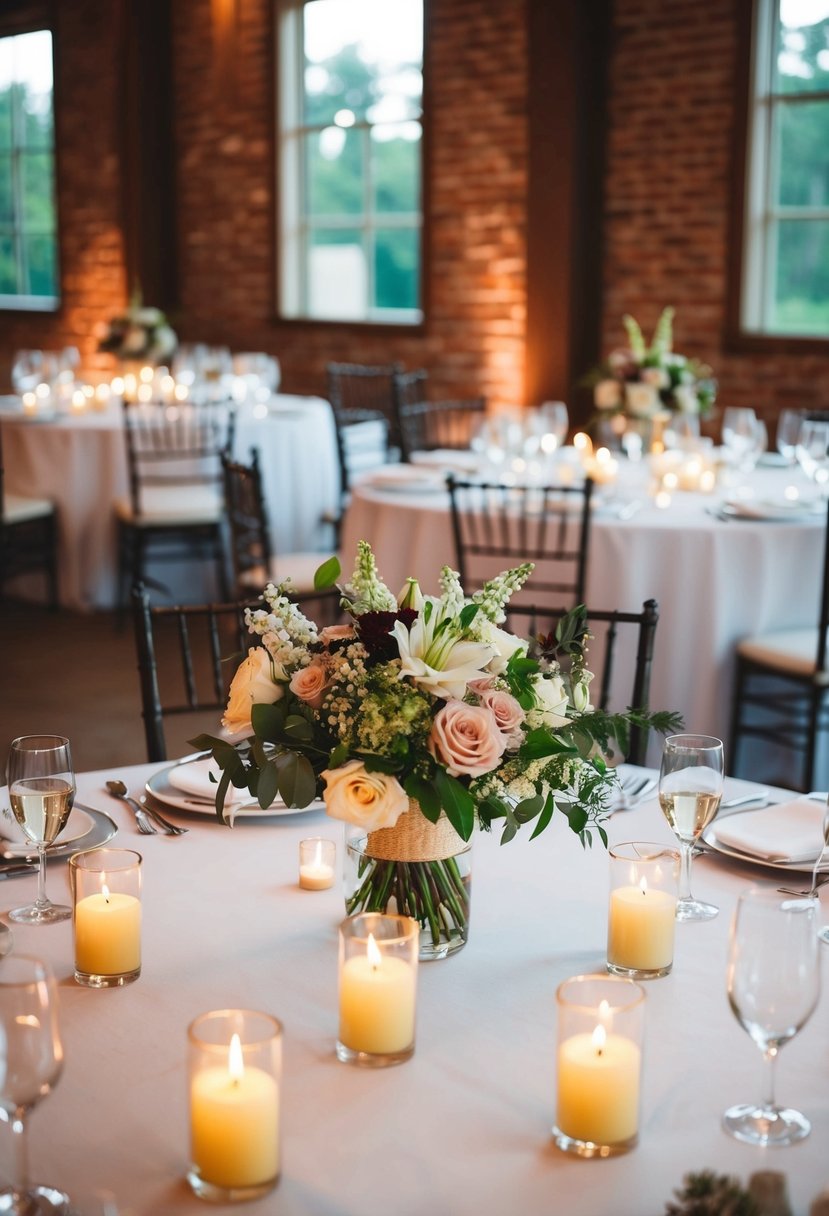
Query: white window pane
[[396, 266], [801, 290], [337, 276], [395, 168], [803, 138], [802, 46], [334, 172]]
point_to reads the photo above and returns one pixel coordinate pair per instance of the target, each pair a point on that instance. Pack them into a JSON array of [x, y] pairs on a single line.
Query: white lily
[[436, 658]]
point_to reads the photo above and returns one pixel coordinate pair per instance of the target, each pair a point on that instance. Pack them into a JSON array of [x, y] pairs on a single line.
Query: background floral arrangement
[[139, 333], [640, 380], [421, 698]]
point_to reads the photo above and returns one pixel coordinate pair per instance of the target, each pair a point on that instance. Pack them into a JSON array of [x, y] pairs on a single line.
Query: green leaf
[[545, 817], [577, 817], [205, 743], [424, 793], [457, 802], [297, 783], [468, 615], [268, 785], [298, 727], [338, 756], [540, 742], [327, 574], [268, 721], [528, 808], [220, 797]]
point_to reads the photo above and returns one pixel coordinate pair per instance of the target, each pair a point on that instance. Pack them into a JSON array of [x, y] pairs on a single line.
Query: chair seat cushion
[[166, 507], [793, 651], [17, 510], [300, 567]]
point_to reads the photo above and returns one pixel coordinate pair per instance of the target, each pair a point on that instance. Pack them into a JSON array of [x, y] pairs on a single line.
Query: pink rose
[[466, 739], [336, 633], [508, 713], [309, 684]]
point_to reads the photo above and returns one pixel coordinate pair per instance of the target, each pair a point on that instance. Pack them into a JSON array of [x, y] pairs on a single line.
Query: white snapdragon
[[495, 594], [367, 592]]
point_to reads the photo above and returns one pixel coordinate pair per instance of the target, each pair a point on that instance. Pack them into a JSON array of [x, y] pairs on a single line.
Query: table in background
[[79, 462], [463, 1128], [715, 580]]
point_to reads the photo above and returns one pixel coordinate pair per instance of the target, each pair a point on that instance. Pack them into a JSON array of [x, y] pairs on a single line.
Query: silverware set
[[148, 820]]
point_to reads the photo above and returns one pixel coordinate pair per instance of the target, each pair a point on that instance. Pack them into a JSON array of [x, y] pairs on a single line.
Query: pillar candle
[[598, 1087], [108, 933], [641, 928], [377, 1003]]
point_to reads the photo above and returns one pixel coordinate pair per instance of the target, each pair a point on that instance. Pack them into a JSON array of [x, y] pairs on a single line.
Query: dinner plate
[[159, 787], [771, 511], [410, 481], [86, 828], [709, 839]]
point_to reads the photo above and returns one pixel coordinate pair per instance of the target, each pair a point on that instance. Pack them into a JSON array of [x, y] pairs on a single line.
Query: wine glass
[[823, 933], [812, 451], [27, 371], [788, 429], [41, 792], [773, 988], [743, 436], [31, 1059], [690, 789]]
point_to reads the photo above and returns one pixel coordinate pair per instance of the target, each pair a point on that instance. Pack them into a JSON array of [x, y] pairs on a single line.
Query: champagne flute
[[773, 988], [31, 1059], [690, 789], [41, 792]]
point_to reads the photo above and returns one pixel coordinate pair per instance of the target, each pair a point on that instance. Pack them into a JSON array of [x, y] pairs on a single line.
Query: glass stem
[[769, 1062], [41, 901], [685, 851], [20, 1150]]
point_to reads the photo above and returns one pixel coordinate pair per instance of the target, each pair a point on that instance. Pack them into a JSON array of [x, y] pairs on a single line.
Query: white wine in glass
[[41, 792], [773, 988], [690, 789], [31, 1060]]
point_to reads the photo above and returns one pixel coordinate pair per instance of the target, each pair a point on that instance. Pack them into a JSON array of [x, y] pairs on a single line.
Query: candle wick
[[599, 1051]]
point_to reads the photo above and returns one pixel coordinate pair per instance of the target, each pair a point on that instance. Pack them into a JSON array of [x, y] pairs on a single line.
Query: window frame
[[33, 19], [288, 52], [753, 161]]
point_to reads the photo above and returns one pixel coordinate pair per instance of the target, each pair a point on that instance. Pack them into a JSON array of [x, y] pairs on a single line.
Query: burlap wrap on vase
[[415, 838]]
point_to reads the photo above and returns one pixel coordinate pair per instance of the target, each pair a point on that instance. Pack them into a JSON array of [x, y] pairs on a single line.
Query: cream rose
[[509, 716], [369, 800], [550, 702], [505, 645], [309, 684], [466, 739], [252, 685]]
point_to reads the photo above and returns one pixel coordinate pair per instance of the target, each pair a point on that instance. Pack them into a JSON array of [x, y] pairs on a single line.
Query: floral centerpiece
[[422, 711], [641, 380], [140, 333]]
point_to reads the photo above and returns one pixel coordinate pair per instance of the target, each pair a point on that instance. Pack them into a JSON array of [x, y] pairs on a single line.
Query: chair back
[[250, 543], [495, 526], [639, 636], [175, 446], [823, 620], [187, 656], [427, 425]]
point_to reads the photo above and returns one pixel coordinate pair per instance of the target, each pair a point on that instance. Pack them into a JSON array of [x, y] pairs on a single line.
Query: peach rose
[[336, 633], [309, 684], [509, 715], [466, 739], [369, 800], [253, 684]]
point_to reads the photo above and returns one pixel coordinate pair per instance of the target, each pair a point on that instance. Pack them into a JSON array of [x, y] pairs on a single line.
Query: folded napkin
[[771, 508], [194, 779], [449, 460], [789, 832], [406, 477]]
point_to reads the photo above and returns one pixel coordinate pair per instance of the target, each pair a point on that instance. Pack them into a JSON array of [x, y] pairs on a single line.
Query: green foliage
[[710, 1194], [327, 574]]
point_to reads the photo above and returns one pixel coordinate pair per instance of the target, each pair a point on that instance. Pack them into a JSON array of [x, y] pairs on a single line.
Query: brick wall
[[669, 184]]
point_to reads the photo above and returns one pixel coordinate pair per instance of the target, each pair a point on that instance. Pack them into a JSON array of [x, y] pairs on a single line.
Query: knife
[[16, 869]]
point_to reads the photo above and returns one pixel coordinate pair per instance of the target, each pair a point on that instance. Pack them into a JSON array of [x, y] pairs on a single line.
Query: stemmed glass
[[31, 1059], [823, 933], [690, 789], [773, 988], [812, 451], [744, 436], [41, 792], [788, 429]]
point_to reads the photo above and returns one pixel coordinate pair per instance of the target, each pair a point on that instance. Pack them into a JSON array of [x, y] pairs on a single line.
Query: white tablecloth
[[80, 463], [715, 580], [463, 1128]]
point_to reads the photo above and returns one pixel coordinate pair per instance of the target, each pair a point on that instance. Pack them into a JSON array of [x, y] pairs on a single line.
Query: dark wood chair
[[639, 633], [253, 560], [782, 677], [495, 526], [28, 538], [175, 508], [425, 425]]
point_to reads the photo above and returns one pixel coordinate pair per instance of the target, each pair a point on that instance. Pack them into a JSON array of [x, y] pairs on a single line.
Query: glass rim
[[660, 850], [621, 982], [132, 859], [702, 741], [409, 926], [46, 975], [771, 895], [60, 741], [212, 1016]]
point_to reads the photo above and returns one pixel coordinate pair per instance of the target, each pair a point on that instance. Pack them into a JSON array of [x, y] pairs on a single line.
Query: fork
[[145, 817]]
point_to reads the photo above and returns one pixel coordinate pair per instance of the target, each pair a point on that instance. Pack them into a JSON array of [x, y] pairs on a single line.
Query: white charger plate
[[710, 840], [158, 786], [86, 828]]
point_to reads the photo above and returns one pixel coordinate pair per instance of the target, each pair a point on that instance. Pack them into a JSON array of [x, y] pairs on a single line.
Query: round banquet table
[[463, 1128], [79, 462], [715, 580]]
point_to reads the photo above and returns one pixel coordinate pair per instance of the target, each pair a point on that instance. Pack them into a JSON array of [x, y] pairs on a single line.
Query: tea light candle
[[316, 864], [641, 928], [78, 401], [29, 404], [598, 1087], [234, 1123], [583, 444], [108, 933], [377, 1002]]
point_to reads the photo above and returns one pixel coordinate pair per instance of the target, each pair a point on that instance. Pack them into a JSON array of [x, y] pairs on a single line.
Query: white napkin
[[771, 508], [194, 779], [406, 477], [789, 832]]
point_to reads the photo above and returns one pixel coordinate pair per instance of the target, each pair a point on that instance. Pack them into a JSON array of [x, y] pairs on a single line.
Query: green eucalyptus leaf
[[528, 808], [220, 797], [297, 727], [424, 793], [268, 721], [327, 574], [268, 785], [545, 817], [457, 802], [297, 783]]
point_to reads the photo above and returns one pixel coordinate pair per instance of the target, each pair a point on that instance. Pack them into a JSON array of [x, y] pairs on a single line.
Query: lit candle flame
[[643, 885], [105, 891], [599, 1036], [235, 1059], [375, 958]]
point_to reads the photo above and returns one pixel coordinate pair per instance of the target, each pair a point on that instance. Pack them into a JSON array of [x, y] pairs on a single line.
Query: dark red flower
[[374, 631]]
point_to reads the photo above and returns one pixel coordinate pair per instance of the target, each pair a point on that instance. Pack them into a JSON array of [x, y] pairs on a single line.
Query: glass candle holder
[[235, 1065], [317, 861], [641, 924], [378, 989], [106, 915], [600, 1038]]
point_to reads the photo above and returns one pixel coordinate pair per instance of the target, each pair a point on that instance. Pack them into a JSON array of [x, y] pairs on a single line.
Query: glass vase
[[417, 869]]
